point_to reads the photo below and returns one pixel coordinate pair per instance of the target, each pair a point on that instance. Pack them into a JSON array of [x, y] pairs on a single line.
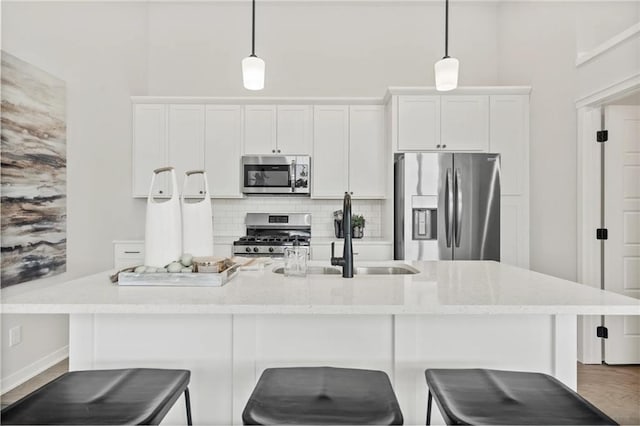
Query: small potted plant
[[357, 224]]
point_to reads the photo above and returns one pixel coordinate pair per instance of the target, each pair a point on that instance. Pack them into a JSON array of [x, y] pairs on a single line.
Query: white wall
[[100, 51], [109, 51]]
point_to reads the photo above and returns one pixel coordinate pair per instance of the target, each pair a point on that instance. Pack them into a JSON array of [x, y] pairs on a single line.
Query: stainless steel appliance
[[269, 234], [447, 206], [276, 174]]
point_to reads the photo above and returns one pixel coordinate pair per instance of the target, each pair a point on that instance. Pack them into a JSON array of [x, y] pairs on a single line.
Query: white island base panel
[[227, 353]]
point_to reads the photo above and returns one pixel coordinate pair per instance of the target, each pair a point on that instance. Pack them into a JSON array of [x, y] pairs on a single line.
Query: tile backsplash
[[229, 214]]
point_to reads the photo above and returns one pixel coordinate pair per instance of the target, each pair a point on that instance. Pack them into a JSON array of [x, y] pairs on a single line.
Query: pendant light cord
[[253, 28], [446, 29]]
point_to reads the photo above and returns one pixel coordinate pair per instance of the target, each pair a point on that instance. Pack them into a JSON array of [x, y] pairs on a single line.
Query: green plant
[[357, 221]]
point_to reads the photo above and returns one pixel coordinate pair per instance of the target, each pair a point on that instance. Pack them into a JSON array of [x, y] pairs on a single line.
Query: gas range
[[269, 234]]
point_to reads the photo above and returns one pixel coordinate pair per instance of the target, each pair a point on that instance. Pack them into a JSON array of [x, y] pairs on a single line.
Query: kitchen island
[[450, 314]]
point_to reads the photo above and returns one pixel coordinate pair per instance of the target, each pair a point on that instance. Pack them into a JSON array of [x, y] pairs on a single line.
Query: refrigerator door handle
[[448, 206], [458, 202]]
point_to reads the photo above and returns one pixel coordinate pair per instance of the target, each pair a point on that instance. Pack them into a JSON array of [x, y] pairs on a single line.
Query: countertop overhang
[[441, 288]]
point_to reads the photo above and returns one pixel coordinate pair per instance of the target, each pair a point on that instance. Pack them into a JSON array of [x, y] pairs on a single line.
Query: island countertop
[[441, 287]]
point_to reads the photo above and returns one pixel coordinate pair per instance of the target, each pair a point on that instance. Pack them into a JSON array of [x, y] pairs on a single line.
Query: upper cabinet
[[418, 123], [186, 145], [349, 152], [449, 123], [149, 148], [367, 153], [509, 136], [464, 123], [295, 129], [282, 129], [330, 159], [223, 148]]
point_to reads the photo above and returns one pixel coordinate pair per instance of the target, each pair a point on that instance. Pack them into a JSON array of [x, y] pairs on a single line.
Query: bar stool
[[322, 395], [140, 396], [480, 397]]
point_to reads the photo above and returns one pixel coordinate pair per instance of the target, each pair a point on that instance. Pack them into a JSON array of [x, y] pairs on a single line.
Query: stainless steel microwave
[[276, 174]]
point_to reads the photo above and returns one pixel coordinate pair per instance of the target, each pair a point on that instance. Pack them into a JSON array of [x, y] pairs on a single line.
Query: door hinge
[[602, 332], [602, 234], [602, 135]]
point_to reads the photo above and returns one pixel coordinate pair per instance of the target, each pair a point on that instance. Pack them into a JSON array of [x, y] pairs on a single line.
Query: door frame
[[589, 110]]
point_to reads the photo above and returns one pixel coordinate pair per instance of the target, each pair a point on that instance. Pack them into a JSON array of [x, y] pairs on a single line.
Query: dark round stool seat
[[322, 395], [494, 397], [138, 396]]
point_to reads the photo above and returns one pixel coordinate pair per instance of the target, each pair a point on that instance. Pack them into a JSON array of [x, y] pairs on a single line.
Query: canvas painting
[[33, 173]]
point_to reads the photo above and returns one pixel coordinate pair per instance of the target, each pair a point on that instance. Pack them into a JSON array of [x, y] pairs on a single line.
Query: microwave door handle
[[293, 175]]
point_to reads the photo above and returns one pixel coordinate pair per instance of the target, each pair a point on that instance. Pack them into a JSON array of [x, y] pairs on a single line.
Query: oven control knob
[[248, 249], [255, 249], [270, 249]]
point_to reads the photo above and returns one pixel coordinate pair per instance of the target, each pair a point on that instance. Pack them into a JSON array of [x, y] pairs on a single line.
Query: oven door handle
[[293, 175]]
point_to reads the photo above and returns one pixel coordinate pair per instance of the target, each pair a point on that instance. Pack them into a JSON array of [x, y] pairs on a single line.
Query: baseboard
[[33, 369]]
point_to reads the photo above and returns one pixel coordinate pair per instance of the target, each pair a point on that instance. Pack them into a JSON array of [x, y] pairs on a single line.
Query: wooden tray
[[178, 279]]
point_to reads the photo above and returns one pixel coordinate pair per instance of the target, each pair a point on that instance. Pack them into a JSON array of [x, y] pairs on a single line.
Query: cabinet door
[[509, 130], [223, 148], [464, 123], [418, 123], [260, 129], [186, 145], [367, 154], [330, 168], [149, 147], [295, 130], [514, 231]]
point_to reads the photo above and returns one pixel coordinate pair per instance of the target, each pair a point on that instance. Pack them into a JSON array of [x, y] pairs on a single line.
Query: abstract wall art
[[33, 175]]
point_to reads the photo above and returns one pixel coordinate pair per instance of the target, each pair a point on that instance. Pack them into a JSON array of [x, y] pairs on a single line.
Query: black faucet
[[346, 261]]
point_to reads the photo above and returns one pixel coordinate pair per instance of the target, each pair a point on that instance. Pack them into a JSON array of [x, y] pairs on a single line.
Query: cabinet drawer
[[128, 254], [362, 252]]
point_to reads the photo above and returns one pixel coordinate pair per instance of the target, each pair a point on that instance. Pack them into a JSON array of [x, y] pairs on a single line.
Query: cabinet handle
[[273, 150], [202, 192], [444, 146], [278, 151], [438, 146], [132, 252], [160, 192]]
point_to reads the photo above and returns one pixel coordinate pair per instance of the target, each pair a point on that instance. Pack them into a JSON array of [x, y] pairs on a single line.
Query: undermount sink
[[361, 270]]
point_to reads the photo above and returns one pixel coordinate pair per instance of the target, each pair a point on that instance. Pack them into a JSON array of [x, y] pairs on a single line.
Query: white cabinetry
[[186, 145], [418, 123], [349, 152], [295, 129], [167, 135], [223, 148], [259, 129], [367, 154], [330, 168], [128, 253], [451, 123], [149, 147], [282, 129], [474, 120], [464, 123]]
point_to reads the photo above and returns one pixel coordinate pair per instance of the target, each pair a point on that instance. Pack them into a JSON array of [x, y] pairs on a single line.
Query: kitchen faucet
[[346, 261]]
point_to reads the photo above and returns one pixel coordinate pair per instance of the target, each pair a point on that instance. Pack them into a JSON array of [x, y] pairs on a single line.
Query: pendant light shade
[[446, 69], [253, 68], [253, 73]]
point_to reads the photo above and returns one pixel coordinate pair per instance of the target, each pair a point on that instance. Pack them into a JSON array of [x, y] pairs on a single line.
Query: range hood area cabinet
[[278, 129], [349, 152]]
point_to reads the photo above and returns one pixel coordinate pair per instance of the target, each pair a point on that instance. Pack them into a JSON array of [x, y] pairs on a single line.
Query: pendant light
[[446, 69], [252, 66]]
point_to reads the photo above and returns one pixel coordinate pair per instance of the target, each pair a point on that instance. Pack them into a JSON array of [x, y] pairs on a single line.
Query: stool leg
[[429, 398], [187, 401]]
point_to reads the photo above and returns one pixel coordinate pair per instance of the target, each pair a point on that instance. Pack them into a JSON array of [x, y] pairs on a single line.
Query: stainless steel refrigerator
[[447, 206]]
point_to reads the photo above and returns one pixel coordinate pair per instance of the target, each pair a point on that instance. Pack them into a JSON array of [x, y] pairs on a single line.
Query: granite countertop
[[441, 287]]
